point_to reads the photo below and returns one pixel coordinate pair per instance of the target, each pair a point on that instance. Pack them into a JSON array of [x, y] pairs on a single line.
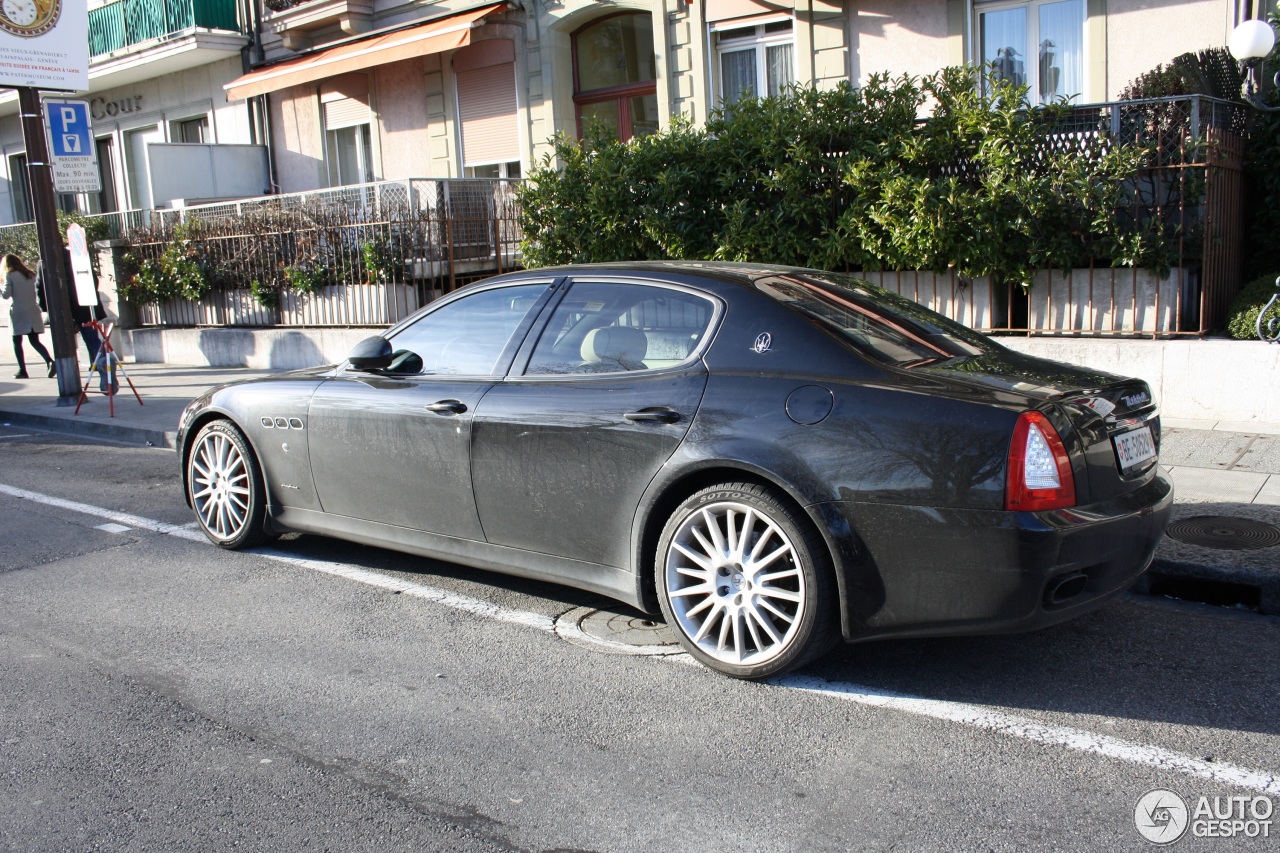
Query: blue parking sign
[[70, 130], [72, 154]]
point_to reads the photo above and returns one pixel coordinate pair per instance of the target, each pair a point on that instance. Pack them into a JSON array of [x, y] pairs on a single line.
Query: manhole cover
[[1224, 532], [620, 633]]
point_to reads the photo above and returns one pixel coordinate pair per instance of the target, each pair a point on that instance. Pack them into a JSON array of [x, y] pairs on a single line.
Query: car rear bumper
[[927, 571]]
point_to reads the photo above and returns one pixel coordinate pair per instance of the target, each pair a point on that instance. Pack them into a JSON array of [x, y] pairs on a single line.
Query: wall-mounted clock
[[27, 18]]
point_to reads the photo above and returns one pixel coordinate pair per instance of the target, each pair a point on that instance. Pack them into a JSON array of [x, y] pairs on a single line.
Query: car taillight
[[1039, 469]]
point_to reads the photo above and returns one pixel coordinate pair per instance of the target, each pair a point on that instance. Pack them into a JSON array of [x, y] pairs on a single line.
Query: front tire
[[224, 485], [746, 582]]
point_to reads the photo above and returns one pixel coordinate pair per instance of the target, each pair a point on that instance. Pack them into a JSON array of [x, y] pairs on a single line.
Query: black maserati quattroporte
[[774, 458]]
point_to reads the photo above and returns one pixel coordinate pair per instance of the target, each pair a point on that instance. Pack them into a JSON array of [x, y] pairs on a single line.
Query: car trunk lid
[[1109, 424]]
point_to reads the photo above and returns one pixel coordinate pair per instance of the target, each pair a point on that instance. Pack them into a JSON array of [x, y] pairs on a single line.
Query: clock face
[[29, 18], [21, 12]]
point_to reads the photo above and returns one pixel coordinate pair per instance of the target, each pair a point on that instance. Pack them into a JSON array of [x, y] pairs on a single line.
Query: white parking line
[[973, 716], [109, 514], [1076, 740], [417, 590]]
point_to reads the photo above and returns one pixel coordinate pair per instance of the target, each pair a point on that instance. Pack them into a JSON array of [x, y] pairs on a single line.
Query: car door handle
[[447, 407], [661, 414]]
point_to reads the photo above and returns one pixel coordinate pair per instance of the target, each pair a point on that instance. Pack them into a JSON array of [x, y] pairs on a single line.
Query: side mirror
[[371, 354]]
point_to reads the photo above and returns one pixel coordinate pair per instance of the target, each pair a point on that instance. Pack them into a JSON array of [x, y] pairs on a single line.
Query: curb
[[113, 432], [1212, 584]]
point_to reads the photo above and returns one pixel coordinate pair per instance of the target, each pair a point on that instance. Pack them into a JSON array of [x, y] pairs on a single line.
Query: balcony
[[123, 24]]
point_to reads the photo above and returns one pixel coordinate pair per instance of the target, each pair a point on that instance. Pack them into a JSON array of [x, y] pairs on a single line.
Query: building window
[[754, 60], [495, 170], [615, 75], [1038, 44], [189, 130], [485, 76], [105, 200], [137, 165], [20, 181], [348, 141]]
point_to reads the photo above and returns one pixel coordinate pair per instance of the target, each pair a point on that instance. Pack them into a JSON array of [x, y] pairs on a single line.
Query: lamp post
[[1250, 43]]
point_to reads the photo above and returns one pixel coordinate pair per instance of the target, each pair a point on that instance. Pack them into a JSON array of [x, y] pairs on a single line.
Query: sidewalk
[[1227, 475]]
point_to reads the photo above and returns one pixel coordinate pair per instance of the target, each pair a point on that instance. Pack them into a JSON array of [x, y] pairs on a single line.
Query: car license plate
[[1134, 447]]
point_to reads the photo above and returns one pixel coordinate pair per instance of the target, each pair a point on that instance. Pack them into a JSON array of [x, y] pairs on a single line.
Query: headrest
[[621, 344]]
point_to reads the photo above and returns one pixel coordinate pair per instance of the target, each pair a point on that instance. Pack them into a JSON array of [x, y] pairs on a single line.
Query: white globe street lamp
[[1250, 43], [1252, 40]]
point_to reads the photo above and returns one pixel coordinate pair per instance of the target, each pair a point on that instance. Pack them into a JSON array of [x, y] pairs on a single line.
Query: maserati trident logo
[[764, 341]]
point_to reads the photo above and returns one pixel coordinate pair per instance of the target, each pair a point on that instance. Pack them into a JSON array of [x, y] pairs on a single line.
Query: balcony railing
[[128, 22]]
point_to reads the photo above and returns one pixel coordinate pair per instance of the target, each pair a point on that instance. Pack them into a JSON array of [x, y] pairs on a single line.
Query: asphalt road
[[157, 693]]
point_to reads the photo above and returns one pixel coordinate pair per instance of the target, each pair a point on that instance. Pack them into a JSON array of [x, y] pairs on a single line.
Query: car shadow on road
[[1137, 657]]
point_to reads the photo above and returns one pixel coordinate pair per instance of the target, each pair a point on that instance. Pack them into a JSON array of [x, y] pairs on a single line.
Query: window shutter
[[487, 108], [725, 10], [345, 112]]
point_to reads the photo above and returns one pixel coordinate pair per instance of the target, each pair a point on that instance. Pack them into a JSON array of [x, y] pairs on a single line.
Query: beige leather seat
[[614, 348]]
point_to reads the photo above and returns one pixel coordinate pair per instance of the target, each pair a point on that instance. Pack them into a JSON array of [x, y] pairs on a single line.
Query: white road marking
[[417, 590], [109, 527], [18, 435], [1077, 740], [110, 515], [973, 716]]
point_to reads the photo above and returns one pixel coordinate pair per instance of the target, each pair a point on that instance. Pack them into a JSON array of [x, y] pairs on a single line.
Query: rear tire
[[746, 582], [224, 486]]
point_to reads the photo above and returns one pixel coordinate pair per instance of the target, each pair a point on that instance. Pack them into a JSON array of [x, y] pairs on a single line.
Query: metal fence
[[1191, 186], [371, 254], [123, 23], [367, 254]]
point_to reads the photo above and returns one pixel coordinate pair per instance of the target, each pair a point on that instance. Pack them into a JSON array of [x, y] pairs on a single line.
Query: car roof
[[743, 274]]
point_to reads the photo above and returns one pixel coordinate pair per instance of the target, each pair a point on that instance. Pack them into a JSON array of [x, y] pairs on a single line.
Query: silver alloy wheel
[[221, 484], [735, 583]]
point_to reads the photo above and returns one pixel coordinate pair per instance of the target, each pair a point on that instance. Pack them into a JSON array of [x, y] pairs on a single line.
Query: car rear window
[[875, 322]]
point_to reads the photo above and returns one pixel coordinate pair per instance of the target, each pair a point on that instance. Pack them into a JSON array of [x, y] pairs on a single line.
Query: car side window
[[466, 337], [613, 327]]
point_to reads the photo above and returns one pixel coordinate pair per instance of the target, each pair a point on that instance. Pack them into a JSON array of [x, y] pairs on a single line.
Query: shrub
[[848, 179], [984, 186], [1248, 303], [179, 272]]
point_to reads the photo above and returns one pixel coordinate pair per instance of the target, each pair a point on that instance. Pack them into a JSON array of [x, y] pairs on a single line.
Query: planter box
[[1087, 301], [143, 315], [241, 309], [349, 305], [188, 312], [1113, 301], [972, 302]]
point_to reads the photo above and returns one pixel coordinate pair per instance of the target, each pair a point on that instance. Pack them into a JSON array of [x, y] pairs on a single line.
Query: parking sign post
[[50, 241]]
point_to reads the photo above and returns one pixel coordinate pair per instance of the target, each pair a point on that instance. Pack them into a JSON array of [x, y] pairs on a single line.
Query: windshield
[[877, 323]]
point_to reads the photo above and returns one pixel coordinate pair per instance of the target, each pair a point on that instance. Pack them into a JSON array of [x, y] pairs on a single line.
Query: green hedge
[[848, 179], [1248, 303]]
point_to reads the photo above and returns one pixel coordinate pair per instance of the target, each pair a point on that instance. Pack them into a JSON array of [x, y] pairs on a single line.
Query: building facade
[[202, 99], [156, 72], [359, 90]]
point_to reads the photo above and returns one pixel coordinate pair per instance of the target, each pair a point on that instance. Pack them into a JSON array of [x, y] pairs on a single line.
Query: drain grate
[[1224, 532]]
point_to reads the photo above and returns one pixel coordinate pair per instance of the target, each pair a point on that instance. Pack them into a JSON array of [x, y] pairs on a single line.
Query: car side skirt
[[605, 580]]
